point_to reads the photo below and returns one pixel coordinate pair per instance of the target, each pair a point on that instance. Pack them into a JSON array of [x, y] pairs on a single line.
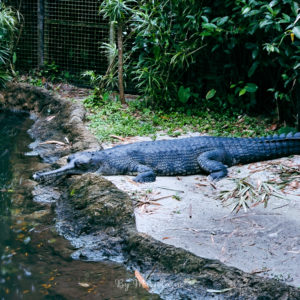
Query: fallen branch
[[141, 280], [53, 142], [117, 138], [190, 211], [164, 197], [132, 181], [168, 189], [260, 271]]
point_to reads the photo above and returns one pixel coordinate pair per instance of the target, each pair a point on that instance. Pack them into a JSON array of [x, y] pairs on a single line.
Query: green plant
[[108, 119], [4, 77], [166, 43], [36, 81], [184, 94], [50, 71], [210, 94], [117, 11], [8, 27], [109, 81], [190, 51]]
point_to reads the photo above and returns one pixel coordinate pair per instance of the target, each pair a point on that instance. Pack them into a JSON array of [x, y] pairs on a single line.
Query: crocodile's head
[[78, 163]]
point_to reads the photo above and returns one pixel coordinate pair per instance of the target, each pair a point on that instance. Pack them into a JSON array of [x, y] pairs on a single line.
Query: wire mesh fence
[[27, 46], [73, 34], [65, 32]]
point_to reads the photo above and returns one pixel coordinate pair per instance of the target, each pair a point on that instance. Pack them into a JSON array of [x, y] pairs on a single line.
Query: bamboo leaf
[[210, 94], [296, 31]]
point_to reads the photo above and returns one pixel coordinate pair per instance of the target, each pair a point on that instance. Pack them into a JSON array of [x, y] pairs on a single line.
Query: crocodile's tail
[[265, 148]]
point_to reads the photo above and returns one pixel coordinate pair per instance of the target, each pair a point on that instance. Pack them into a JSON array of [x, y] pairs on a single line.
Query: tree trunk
[[112, 42], [297, 92], [120, 63]]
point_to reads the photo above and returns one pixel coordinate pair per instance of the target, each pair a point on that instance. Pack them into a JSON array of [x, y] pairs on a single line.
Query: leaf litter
[[248, 193]]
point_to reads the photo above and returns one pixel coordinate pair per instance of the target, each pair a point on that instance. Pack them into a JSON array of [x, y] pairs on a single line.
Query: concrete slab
[[187, 212]]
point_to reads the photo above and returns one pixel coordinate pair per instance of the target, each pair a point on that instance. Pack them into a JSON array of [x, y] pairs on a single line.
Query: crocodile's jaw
[[67, 169]]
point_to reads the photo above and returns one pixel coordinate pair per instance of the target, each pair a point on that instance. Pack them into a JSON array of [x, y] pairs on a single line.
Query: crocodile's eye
[[82, 163], [70, 157]]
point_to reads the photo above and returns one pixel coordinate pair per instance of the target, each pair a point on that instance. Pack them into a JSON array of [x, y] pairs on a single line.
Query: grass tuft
[[112, 119]]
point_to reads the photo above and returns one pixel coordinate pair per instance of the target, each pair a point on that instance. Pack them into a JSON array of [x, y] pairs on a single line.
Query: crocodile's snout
[[43, 176], [36, 176], [68, 169], [77, 164]]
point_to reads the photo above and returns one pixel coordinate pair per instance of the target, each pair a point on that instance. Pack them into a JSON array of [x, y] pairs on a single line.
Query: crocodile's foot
[[145, 177], [215, 176]]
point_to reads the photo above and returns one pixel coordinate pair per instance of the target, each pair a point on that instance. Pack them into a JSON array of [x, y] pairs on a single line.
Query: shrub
[[241, 55], [8, 23]]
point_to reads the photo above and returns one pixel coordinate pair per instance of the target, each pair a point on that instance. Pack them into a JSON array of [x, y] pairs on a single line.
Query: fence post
[[40, 29]]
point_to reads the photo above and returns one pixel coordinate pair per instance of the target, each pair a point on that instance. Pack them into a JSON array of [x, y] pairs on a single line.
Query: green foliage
[[108, 81], [113, 119], [184, 94], [248, 51], [276, 52], [210, 94], [110, 119], [8, 23], [167, 40], [49, 72], [116, 10], [4, 77]]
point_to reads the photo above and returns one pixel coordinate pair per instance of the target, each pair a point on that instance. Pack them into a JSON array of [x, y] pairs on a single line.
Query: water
[[35, 262]]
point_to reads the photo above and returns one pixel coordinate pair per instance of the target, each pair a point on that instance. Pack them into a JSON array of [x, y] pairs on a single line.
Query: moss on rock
[[100, 201]]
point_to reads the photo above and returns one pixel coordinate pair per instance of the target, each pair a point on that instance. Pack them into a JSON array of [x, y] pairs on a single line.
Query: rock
[[39, 214], [98, 201]]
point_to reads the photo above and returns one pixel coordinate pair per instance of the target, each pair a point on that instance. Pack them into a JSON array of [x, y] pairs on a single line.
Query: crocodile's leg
[[212, 162], [145, 174]]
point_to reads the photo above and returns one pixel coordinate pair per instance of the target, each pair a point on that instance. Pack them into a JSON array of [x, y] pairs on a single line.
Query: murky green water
[[35, 262]]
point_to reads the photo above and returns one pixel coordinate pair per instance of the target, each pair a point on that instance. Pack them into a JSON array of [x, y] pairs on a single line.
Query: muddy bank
[[35, 262], [99, 221], [56, 119]]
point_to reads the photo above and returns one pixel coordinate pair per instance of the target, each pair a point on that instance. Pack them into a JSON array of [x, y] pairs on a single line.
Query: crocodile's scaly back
[[246, 150]]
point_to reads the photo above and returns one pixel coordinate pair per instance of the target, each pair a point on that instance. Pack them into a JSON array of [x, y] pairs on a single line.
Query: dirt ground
[[187, 212]]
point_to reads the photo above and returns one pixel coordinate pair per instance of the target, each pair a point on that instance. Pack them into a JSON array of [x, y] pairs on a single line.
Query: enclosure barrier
[[65, 32]]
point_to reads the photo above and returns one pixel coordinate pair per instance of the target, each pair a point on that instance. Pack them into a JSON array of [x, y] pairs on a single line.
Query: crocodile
[[181, 156]]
